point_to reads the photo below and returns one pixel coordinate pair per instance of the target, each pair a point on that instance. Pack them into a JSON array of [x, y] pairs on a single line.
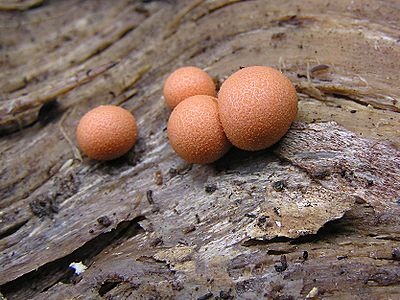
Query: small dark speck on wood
[[205, 296], [321, 174], [305, 255], [149, 196], [183, 242], [283, 264], [277, 211], [278, 36], [44, 205], [158, 178], [157, 242], [225, 295], [279, 185], [104, 221], [263, 222], [262, 219], [198, 218], [210, 188], [250, 215], [396, 254], [173, 172]]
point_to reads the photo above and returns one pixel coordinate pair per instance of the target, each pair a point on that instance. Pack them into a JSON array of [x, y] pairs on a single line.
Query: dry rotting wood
[[316, 215], [228, 231]]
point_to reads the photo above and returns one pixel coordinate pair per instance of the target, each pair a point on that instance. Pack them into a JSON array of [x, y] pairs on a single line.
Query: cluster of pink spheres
[[254, 108]]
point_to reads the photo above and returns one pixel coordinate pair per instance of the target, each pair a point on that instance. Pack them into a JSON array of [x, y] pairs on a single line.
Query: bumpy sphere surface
[[186, 82], [106, 132], [257, 106], [195, 132]]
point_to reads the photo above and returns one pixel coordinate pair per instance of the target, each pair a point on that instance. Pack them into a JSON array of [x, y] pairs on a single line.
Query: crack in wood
[[56, 271], [195, 242]]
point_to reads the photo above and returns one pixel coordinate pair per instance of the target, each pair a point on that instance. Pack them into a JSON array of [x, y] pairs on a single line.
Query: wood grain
[[316, 215]]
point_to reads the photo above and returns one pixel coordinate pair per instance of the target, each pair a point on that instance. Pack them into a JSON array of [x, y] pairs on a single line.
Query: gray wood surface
[[315, 216]]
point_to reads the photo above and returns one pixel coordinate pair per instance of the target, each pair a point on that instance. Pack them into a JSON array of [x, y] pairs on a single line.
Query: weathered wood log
[[314, 216]]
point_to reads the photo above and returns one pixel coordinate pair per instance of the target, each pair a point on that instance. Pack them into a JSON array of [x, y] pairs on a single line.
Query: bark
[[315, 216]]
